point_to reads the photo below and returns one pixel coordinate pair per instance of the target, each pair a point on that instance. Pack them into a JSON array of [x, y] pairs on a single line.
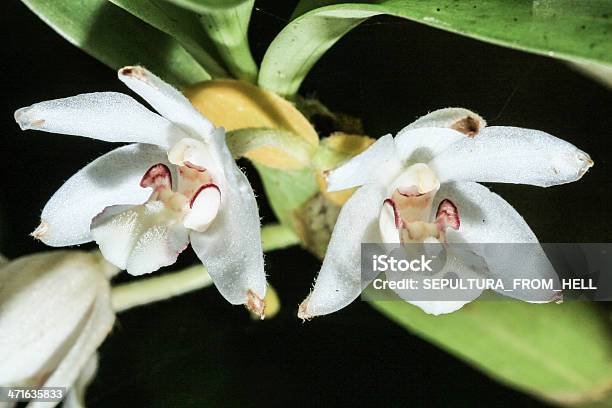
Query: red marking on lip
[[447, 213], [412, 191], [194, 166], [202, 188], [396, 214], [158, 176]]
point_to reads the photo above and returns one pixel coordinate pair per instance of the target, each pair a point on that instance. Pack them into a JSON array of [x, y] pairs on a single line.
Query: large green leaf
[[560, 353], [227, 23], [567, 29], [118, 39], [178, 23]]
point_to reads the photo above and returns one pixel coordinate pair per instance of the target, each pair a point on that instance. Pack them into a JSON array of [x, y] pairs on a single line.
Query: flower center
[[197, 198], [405, 216]]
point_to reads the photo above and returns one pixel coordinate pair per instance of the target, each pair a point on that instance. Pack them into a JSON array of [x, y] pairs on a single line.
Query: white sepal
[[421, 145], [512, 155], [166, 100], [488, 219], [230, 248], [111, 179], [378, 163], [109, 116], [339, 282]]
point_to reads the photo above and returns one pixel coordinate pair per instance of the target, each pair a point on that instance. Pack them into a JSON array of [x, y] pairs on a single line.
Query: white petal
[[140, 239], [339, 281], [230, 248], [462, 120], [76, 394], [512, 155], [378, 163], [510, 248], [484, 216], [440, 307], [204, 208], [421, 145], [109, 116], [45, 300], [439, 301], [92, 335], [110, 179], [166, 100]]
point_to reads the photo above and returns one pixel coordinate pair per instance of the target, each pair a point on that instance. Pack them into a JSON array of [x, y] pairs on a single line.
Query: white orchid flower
[[421, 187], [143, 203], [55, 311]]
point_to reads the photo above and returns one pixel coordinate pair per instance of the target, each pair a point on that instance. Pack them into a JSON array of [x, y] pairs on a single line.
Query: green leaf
[[598, 72], [561, 353], [178, 23], [227, 24], [566, 29], [118, 39]]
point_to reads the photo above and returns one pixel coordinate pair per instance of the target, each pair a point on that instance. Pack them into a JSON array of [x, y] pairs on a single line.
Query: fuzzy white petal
[[378, 163], [488, 219], [512, 155], [443, 301], [339, 281], [166, 100], [140, 239], [230, 248], [109, 116], [111, 179], [460, 119], [423, 144], [45, 301]]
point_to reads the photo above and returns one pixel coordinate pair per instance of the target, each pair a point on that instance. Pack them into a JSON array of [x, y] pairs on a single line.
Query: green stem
[[144, 291], [227, 27]]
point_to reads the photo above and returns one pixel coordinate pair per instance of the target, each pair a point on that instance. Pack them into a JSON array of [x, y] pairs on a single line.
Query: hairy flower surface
[[55, 311], [420, 187], [143, 203]]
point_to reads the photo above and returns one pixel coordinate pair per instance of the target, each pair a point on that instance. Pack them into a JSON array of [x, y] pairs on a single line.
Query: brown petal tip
[[302, 313], [135, 72], [469, 126], [255, 304], [557, 298], [40, 231]]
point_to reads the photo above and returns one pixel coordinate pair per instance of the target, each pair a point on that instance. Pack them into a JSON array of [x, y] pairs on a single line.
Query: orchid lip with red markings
[[447, 211], [157, 176], [202, 188]]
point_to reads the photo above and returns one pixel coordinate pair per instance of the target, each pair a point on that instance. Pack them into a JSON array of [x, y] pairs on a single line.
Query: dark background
[[197, 350]]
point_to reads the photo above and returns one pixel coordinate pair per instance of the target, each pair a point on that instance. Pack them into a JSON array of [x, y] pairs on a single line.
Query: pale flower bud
[[55, 311]]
